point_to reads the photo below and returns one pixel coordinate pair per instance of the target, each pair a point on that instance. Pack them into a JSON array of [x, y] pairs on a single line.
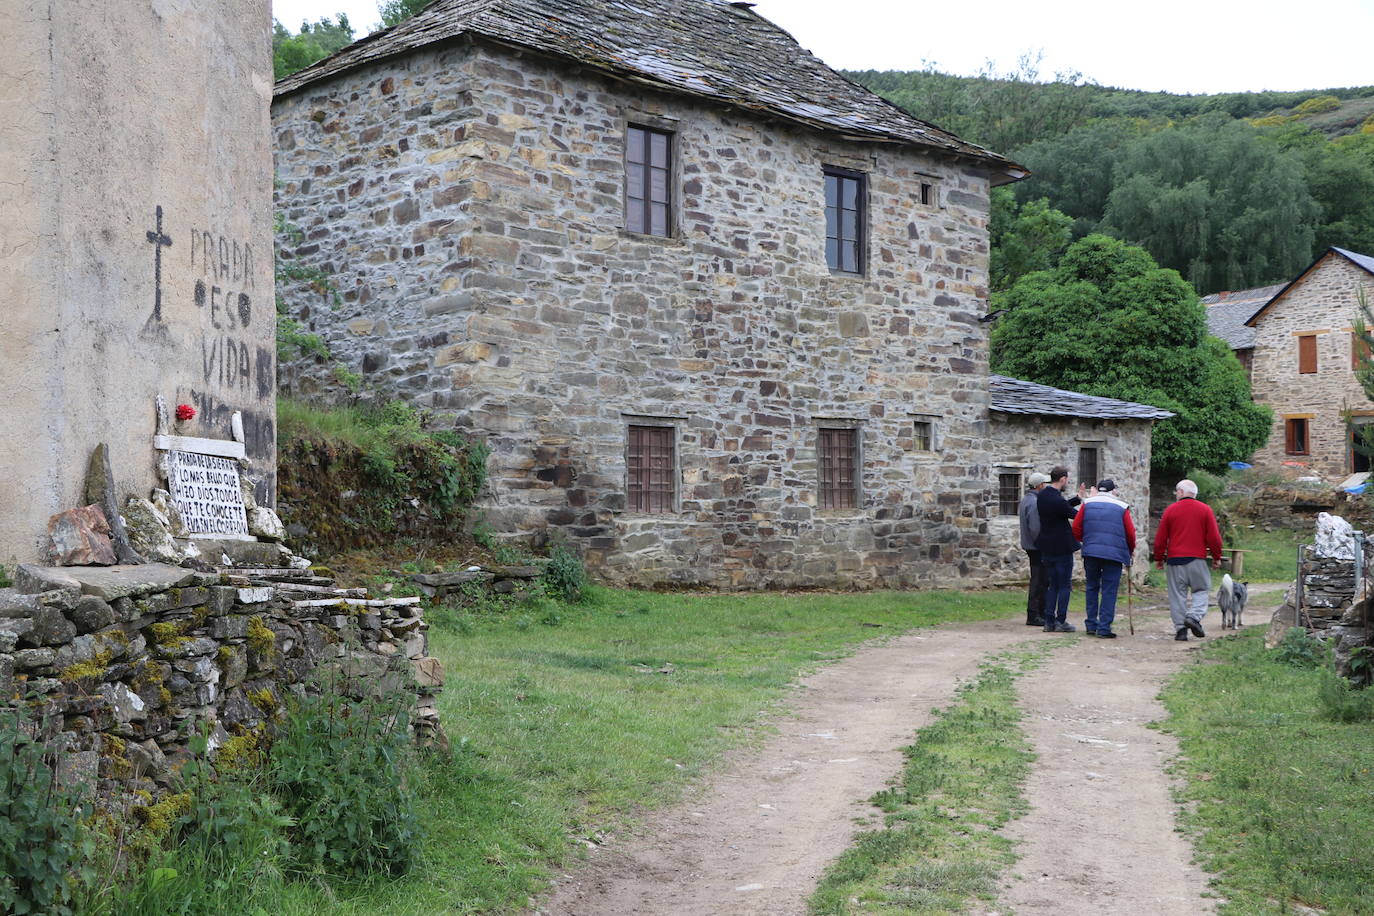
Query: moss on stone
[[260, 636], [241, 752], [159, 817]]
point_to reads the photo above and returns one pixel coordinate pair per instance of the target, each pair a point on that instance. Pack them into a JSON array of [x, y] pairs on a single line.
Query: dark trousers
[[1059, 571], [1035, 591]]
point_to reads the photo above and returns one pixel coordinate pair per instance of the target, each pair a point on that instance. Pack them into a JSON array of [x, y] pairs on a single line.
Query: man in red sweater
[[1187, 534]]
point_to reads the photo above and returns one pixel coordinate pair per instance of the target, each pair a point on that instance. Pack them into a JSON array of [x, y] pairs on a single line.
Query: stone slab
[[208, 493], [107, 582]]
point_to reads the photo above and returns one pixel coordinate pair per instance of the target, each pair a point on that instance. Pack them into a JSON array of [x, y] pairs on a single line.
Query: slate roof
[[1228, 312], [1012, 395], [710, 49]]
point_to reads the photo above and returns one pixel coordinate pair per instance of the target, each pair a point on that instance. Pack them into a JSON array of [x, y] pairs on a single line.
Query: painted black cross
[[161, 241]]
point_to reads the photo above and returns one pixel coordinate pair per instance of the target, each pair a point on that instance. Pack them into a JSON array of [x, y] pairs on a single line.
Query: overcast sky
[[1185, 46]]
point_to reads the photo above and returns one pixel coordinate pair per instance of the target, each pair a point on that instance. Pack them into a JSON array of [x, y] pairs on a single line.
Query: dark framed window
[[927, 193], [1295, 440], [1008, 492], [1089, 465], [923, 435], [651, 466], [837, 462], [846, 200], [648, 180], [1307, 354]]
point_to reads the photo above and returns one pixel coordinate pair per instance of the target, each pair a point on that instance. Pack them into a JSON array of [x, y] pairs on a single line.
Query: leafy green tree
[[397, 11], [1024, 237], [1216, 203], [1075, 170], [1109, 321], [314, 42]]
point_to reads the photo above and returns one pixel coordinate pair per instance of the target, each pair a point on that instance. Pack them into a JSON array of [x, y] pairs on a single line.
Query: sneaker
[[1088, 632], [1182, 634], [1065, 628], [1195, 626], [1051, 628], [1037, 622], [1105, 634]]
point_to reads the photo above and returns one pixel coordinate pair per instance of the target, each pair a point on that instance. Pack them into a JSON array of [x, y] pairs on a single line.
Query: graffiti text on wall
[[224, 288]]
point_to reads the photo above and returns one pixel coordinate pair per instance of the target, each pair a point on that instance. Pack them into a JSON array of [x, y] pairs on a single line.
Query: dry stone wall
[[1324, 303], [469, 204], [126, 663]]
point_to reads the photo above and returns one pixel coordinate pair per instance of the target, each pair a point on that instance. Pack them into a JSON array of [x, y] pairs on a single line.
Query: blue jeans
[[1103, 579], [1059, 572]]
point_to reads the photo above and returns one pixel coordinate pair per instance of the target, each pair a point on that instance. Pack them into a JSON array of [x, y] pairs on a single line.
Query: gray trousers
[[1190, 584]]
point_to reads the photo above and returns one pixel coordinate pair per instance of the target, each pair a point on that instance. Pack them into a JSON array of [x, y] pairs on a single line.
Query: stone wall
[[1321, 302], [1037, 443], [126, 663], [135, 242], [469, 204]]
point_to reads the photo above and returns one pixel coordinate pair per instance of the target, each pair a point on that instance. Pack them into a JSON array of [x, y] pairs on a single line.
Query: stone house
[[1302, 359], [719, 312]]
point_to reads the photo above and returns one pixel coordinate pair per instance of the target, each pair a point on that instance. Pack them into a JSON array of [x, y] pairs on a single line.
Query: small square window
[[837, 463], [648, 180], [1089, 466], [1295, 436], [846, 203], [651, 469], [1008, 493], [923, 435]]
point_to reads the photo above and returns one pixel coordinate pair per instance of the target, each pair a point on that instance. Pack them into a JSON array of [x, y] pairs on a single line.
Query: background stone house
[[717, 310], [1302, 362]]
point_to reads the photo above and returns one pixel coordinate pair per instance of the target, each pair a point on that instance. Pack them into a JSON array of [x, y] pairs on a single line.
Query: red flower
[[185, 412]]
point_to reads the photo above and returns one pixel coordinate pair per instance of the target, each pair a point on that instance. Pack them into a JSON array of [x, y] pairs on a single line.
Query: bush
[[565, 577], [1300, 650], [1341, 701], [340, 768], [41, 837]]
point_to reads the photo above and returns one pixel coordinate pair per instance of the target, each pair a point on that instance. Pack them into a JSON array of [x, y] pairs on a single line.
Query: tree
[[1215, 202], [1075, 171], [1024, 238], [314, 42], [1109, 321], [394, 12]]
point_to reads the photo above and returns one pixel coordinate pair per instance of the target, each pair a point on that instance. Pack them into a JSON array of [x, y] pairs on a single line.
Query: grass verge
[[938, 849], [1280, 800], [1270, 556], [567, 721]]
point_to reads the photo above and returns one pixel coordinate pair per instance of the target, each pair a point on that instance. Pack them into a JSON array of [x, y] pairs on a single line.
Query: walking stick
[[1130, 611]]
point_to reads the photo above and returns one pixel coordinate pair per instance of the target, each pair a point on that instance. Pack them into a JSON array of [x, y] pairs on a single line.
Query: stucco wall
[[469, 205], [106, 118], [1322, 302]]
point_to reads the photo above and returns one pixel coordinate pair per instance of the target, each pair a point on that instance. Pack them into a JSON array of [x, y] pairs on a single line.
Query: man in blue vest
[[1104, 525], [1057, 546]]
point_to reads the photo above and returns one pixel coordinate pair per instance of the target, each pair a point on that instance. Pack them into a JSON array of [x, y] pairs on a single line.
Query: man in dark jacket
[[1104, 525], [1057, 546], [1029, 514], [1187, 533]]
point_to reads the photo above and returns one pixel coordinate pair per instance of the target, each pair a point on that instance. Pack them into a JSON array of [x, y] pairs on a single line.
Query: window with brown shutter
[[651, 465], [1359, 350], [1008, 493], [648, 179], [1307, 353], [837, 460], [1295, 436]]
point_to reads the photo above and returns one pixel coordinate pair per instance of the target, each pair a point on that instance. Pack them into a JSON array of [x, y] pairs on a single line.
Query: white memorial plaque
[[206, 490]]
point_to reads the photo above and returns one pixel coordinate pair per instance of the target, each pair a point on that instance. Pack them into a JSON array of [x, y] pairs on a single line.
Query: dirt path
[[1099, 837]]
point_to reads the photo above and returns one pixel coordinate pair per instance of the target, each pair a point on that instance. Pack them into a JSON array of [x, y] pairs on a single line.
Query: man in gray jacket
[[1029, 513]]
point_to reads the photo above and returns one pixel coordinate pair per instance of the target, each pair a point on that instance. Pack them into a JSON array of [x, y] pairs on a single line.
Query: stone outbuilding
[[719, 312], [1302, 359], [1035, 427]]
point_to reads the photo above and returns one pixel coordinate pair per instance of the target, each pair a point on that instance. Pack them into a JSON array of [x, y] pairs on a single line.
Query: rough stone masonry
[[468, 202]]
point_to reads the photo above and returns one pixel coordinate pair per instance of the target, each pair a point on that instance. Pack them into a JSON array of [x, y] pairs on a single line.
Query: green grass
[[1270, 556], [562, 732], [938, 849], [1281, 800]]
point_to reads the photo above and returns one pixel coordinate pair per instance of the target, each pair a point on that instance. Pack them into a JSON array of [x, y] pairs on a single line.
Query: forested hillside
[[1233, 191]]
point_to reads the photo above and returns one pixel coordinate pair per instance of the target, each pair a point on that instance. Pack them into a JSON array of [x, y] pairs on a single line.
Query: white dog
[[1231, 599]]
